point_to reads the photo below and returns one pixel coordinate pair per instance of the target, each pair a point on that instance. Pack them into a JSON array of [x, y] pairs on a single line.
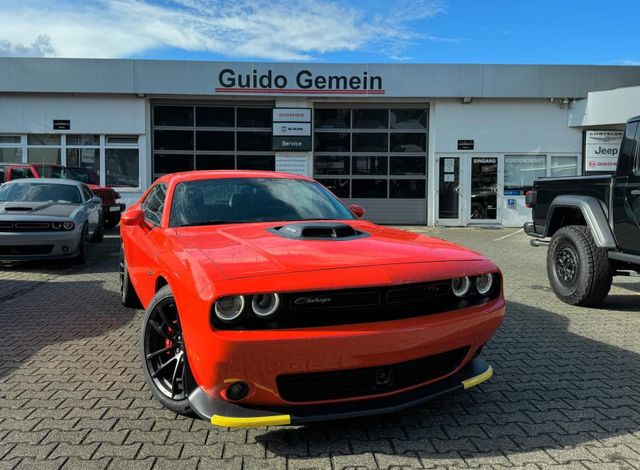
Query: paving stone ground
[[566, 393]]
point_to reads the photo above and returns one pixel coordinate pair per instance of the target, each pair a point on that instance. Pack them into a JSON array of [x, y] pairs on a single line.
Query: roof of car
[[45, 180], [16, 164], [220, 174]]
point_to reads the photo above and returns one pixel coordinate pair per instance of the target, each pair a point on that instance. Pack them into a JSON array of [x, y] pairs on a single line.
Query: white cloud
[[263, 29]]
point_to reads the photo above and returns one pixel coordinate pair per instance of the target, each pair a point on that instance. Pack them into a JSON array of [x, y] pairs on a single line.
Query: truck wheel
[[579, 271]]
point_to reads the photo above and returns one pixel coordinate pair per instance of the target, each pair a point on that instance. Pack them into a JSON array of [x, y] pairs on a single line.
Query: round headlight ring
[[229, 308], [461, 286], [265, 305], [56, 225], [484, 283], [68, 225]]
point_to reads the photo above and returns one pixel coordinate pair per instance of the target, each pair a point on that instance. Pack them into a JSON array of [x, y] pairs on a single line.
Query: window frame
[[151, 194]]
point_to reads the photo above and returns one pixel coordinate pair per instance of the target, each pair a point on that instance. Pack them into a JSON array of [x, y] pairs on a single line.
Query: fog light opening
[[237, 391], [65, 249]]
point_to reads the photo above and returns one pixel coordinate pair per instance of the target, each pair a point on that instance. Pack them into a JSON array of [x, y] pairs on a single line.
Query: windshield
[[40, 192], [84, 175], [50, 171], [237, 200]]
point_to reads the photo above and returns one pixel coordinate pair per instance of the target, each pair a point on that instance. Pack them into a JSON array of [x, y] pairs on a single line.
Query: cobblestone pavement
[[566, 393]]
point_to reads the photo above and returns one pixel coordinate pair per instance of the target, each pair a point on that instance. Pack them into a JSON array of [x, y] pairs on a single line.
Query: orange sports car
[[270, 302]]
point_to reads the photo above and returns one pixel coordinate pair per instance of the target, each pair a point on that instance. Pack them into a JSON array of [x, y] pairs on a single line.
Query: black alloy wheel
[[567, 264], [128, 294], [165, 363]]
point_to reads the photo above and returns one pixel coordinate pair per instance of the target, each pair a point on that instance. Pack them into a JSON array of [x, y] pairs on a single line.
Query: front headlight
[[68, 225], [461, 286], [265, 305], [229, 308], [56, 225], [484, 283]]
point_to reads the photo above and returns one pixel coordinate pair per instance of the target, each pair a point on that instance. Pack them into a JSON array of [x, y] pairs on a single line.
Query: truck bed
[[548, 189]]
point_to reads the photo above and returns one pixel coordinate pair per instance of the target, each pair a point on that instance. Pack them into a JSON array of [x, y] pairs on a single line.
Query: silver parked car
[[48, 219]]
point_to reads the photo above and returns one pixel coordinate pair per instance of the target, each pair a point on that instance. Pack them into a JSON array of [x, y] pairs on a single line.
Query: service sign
[[601, 150]]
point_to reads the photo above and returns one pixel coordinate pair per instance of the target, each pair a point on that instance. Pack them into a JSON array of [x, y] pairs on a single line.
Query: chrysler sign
[[303, 81], [601, 150]]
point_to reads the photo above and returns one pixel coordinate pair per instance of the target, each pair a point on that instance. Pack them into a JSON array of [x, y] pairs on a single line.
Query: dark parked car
[[594, 225]]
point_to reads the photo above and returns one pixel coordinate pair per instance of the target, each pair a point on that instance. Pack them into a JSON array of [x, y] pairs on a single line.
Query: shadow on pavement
[[552, 388]]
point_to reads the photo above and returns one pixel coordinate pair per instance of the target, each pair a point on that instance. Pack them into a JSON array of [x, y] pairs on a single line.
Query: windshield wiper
[[209, 222]]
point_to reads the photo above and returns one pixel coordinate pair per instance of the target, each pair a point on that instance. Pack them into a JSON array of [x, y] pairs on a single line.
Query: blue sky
[[437, 31]]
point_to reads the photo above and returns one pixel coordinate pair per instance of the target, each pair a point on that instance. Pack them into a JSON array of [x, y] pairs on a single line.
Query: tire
[[128, 294], [99, 235], [83, 247], [579, 272], [164, 359], [112, 221]]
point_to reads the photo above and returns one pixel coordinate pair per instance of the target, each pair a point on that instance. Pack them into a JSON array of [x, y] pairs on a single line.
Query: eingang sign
[[601, 150], [302, 82]]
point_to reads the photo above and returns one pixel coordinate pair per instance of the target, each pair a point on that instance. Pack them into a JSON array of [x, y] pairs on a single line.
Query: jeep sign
[[601, 150]]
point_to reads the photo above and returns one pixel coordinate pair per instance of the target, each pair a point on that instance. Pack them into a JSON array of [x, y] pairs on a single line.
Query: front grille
[[352, 306], [25, 226], [335, 385], [107, 195], [9, 250]]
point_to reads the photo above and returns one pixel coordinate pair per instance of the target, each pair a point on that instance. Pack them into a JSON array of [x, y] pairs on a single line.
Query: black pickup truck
[[593, 223]]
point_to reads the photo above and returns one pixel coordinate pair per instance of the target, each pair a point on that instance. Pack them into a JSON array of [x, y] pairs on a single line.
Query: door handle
[[635, 192]]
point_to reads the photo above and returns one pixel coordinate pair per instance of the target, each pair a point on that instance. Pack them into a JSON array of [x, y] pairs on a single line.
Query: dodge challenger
[[269, 302]]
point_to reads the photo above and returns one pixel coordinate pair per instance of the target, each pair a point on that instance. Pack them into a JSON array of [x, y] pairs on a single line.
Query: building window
[[122, 161], [376, 153], [564, 166], [520, 171], [44, 149], [211, 138], [83, 150], [10, 149]]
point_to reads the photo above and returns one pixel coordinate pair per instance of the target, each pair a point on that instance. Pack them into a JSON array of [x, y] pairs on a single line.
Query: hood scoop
[[18, 209], [318, 231]]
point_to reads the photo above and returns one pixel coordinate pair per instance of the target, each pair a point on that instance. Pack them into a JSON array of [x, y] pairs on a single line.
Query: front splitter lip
[[222, 413]]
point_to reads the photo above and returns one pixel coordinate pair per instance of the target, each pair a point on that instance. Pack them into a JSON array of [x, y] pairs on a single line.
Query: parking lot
[[566, 390]]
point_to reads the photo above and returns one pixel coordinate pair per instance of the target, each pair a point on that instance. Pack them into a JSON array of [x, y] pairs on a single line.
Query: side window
[[87, 193], [153, 205], [627, 149], [1, 175]]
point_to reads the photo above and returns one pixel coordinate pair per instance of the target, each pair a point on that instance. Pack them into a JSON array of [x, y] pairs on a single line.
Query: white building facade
[[413, 144]]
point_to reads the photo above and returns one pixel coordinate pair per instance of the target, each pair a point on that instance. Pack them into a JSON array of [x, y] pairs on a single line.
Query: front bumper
[[113, 210], [222, 413], [64, 244]]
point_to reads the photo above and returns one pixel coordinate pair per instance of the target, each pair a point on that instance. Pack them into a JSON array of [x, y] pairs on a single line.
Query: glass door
[[484, 190], [450, 200]]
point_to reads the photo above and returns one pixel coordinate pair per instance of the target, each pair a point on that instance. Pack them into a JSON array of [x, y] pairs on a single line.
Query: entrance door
[[484, 188], [450, 201]]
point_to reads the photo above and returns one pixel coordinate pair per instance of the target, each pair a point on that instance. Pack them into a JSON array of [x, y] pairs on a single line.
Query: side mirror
[[357, 210], [96, 200], [132, 217]]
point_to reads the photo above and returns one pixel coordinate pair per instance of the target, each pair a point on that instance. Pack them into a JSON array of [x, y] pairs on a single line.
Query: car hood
[[37, 209], [247, 250]]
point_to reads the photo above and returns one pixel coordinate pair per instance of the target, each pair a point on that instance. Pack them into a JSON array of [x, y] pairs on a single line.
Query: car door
[[148, 242], [626, 191], [93, 209]]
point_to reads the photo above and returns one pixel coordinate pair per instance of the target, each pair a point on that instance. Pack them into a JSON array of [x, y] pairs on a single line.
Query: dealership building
[[441, 144]]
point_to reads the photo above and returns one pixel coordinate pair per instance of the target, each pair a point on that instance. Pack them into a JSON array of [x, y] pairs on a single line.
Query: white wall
[[503, 126], [88, 114], [605, 108]]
